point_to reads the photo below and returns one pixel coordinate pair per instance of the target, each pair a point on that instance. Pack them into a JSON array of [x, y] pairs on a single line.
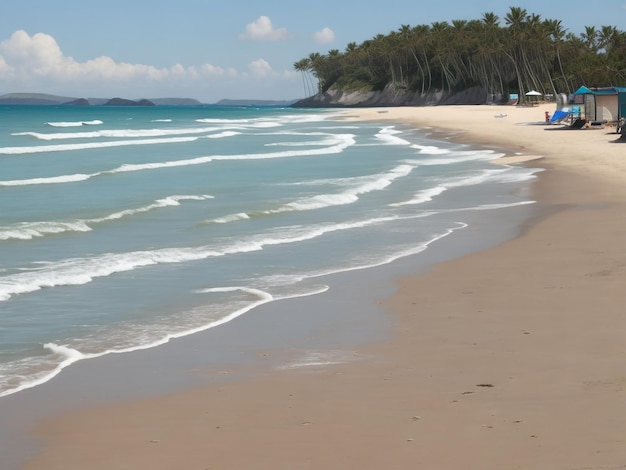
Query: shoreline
[[456, 350]]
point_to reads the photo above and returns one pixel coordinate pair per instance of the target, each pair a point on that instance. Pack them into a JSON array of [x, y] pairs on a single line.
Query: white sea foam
[[221, 135], [389, 136], [430, 149], [318, 202], [65, 356], [425, 195], [77, 271], [486, 207], [517, 176], [259, 123], [378, 260], [49, 180], [158, 204], [227, 121], [95, 122], [185, 197], [265, 122], [258, 297], [30, 230], [478, 177], [349, 181], [117, 133], [198, 319], [91, 145], [456, 157], [312, 117], [356, 187], [489, 207], [499, 175], [230, 218], [340, 143], [409, 250], [366, 184], [495, 176], [309, 143]]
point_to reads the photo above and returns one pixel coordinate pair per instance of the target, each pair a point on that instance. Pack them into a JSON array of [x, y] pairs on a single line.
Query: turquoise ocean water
[[122, 228]]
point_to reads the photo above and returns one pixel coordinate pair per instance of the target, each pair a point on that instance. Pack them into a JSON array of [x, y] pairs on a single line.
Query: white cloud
[[291, 75], [260, 69], [262, 30], [4, 67], [36, 63], [324, 36], [31, 58]]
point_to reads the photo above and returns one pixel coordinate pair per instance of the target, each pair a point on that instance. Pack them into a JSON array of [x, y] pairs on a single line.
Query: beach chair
[[559, 116]]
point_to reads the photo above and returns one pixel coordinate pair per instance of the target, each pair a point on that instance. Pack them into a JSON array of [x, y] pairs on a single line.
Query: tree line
[[522, 52]]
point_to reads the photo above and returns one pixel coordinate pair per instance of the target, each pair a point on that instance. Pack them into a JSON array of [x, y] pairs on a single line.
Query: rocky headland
[[391, 96]]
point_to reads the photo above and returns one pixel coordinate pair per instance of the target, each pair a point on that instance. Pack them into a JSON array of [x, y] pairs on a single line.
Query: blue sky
[[209, 50]]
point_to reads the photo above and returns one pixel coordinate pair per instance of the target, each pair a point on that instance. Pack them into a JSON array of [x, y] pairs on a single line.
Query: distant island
[[42, 99], [125, 102], [35, 99]]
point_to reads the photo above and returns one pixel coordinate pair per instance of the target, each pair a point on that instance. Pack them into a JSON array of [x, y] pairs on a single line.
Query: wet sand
[[511, 357]]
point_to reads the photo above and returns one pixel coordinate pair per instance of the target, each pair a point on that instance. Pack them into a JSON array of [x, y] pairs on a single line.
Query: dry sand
[[510, 358]]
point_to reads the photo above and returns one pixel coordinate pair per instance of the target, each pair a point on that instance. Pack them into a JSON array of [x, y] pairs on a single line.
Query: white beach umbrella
[[533, 94]]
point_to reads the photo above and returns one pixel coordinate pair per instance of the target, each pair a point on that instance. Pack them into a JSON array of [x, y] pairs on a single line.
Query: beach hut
[[621, 101], [599, 104]]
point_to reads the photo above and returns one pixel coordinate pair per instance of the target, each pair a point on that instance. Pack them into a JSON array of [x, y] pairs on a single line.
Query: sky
[[211, 50]]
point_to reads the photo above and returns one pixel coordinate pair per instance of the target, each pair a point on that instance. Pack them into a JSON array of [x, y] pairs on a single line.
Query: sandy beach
[[508, 358]]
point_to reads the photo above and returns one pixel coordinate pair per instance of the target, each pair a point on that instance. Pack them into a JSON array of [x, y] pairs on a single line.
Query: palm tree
[[488, 63], [522, 53], [444, 53], [303, 66], [419, 43], [605, 37], [490, 20], [557, 35], [590, 38], [315, 59], [516, 20]]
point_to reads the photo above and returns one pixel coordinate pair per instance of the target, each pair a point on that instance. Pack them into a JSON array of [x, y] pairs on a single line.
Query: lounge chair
[[559, 116]]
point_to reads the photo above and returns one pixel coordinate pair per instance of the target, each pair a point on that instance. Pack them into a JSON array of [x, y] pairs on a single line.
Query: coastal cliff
[[391, 96]]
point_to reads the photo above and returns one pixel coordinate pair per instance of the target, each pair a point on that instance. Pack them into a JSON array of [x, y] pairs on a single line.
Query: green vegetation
[[523, 52]]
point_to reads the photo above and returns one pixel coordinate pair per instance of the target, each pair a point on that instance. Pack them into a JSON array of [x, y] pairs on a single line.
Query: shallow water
[[122, 228]]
